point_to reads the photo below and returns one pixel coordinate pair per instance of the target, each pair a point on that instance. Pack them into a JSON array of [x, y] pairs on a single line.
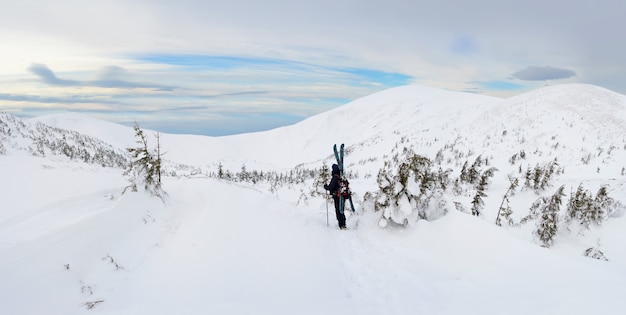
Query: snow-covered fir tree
[[477, 202], [548, 209], [505, 211], [588, 210], [144, 169]]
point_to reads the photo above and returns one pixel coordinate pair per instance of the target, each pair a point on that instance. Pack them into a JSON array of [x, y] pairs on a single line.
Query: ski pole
[[326, 197]]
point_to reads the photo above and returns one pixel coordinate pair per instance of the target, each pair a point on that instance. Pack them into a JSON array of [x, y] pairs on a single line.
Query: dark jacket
[[333, 186]]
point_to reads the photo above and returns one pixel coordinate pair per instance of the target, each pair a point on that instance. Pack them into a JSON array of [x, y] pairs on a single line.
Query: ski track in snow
[[291, 263]]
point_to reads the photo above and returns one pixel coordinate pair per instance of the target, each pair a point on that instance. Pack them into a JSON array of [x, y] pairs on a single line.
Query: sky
[[228, 67]]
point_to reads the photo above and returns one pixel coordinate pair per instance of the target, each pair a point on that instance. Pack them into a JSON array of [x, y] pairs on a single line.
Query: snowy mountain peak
[[581, 99]]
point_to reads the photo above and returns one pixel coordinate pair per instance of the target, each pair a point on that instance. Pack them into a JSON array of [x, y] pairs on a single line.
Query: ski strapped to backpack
[[344, 186]]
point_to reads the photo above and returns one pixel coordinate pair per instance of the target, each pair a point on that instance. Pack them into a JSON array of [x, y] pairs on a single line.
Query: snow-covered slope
[[69, 240], [22, 137], [217, 248], [572, 115], [377, 122], [115, 134]]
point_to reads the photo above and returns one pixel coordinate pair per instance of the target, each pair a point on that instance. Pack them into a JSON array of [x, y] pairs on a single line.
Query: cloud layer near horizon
[[215, 95]]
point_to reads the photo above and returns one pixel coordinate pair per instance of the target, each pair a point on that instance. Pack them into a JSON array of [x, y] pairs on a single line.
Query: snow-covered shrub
[[517, 156], [595, 253], [321, 178], [587, 210], [540, 178], [410, 190], [91, 304]]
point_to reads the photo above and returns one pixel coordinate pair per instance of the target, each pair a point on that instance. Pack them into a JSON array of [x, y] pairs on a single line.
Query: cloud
[[222, 94], [543, 74], [112, 73], [109, 77], [128, 85], [73, 99], [47, 76]]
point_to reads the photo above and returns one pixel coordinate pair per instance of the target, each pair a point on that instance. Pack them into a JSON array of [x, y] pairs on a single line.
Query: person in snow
[[333, 187]]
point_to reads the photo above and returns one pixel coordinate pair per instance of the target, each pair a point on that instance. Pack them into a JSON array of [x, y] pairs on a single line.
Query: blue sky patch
[[501, 85], [210, 62], [388, 79]]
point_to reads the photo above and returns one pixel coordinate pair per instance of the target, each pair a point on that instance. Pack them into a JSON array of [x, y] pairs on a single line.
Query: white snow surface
[[70, 240]]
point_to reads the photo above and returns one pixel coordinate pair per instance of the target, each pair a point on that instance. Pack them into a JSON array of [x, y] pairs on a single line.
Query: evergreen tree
[[322, 179], [537, 175], [548, 224], [156, 163], [220, 171], [439, 157], [528, 178], [243, 176], [457, 188], [602, 205], [144, 168], [464, 176], [588, 210], [505, 211], [548, 173], [408, 189], [387, 187], [473, 174], [578, 203], [478, 202]]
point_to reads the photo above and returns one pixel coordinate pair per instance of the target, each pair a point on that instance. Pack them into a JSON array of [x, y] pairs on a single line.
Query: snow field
[[69, 240], [215, 247]]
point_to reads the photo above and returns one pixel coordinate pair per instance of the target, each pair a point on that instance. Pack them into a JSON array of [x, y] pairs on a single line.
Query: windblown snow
[[72, 243]]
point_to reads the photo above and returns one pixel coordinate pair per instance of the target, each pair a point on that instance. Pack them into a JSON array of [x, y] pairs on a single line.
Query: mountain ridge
[[418, 114]]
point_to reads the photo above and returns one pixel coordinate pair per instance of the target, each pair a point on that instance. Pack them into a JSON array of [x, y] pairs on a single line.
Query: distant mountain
[[19, 137], [374, 123], [572, 121], [117, 135]]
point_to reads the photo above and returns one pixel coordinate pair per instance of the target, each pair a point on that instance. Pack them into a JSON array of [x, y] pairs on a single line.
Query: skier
[[333, 187]]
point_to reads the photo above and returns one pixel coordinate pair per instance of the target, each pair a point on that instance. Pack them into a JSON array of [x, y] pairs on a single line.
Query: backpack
[[344, 188]]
